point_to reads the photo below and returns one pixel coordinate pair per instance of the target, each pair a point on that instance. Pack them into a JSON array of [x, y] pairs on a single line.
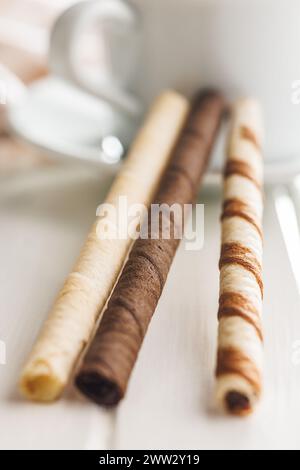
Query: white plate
[[44, 217], [67, 123]]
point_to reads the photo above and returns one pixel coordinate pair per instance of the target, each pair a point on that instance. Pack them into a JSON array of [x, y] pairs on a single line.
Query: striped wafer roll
[[239, 361]]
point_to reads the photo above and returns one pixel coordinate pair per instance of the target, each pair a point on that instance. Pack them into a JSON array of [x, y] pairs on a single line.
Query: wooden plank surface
[[170, 400], [44, 217]]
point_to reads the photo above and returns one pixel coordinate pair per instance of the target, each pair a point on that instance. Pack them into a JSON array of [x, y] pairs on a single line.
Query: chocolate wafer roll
[[239, 362], [108, 364], [81, 300]]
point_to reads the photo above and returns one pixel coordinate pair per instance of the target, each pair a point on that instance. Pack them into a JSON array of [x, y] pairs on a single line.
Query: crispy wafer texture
[[87, 288], [107, 367], [239, 359]]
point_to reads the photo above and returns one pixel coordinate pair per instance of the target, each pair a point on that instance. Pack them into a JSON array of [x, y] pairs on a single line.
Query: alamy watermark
[[161, 221]]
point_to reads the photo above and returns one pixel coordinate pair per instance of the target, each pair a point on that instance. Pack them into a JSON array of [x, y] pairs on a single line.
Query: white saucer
[[67, 123]]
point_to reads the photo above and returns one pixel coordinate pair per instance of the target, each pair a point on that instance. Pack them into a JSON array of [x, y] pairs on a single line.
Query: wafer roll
[[88, 286], [240, 349], [108, 364]]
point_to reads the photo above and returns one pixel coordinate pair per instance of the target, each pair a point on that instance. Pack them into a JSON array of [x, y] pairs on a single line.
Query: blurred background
[[25, 27]]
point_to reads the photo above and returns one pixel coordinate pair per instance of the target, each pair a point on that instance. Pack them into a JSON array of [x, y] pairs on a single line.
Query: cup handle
[[62, 57]]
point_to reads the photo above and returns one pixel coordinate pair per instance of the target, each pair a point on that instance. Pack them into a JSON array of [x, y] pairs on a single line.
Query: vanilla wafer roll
[[240, 348], [87, 288]]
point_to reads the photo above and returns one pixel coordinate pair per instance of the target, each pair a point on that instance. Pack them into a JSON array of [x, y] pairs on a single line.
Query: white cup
[[242, 47]]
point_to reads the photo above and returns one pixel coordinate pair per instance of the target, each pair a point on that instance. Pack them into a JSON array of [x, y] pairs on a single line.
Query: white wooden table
[[44, 216]]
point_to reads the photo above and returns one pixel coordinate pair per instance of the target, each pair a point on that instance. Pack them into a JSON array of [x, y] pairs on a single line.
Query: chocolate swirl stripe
[[107, 367], [237, 208], [232, 362], [232, 304], [239, 359], [238, 167], [247, 134], [234, 253]]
